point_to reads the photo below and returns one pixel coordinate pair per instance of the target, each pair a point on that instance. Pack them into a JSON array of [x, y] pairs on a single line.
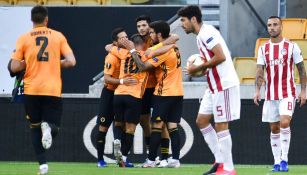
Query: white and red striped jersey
[[279, 60], [222, 76]]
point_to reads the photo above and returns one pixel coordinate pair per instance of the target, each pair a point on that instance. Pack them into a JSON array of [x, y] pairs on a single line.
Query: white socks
[[276, 149], [285, 137], [210, 137], [225, 143]]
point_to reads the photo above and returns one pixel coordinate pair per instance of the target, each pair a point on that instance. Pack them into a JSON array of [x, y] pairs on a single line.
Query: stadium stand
[[58, 2], [294, 28], [4, 2], [87, 2], [246, 69], [259, 42]]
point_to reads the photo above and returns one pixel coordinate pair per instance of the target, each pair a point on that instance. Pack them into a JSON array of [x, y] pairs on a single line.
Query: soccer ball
[[196, 60]]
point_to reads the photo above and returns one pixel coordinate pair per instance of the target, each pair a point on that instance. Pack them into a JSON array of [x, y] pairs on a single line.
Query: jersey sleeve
[[110, 64], [209, 38], [158, 60], [65, 48], [19, 50], [119, 52], [260, 58], [297, 54]]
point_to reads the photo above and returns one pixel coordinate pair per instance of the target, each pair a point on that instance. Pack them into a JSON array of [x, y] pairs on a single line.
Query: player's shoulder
[[56, 33]]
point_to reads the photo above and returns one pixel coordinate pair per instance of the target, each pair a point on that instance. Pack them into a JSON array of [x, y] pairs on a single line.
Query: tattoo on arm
[[139, 63], [302, 74], [259, 76]]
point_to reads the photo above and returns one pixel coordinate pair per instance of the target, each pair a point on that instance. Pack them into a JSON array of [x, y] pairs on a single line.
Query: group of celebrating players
[[144, 72]]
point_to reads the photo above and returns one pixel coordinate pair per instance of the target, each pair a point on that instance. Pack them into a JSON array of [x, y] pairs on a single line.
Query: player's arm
[[69, 57], [115, 81], [16, 66], [160, 50], [172, 39], [259, 76], [217, 59], [143, 66], [302, 75], [68, 61]]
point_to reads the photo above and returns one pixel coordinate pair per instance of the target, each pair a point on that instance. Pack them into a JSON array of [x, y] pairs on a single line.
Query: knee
[[284, 123], [201, 122]]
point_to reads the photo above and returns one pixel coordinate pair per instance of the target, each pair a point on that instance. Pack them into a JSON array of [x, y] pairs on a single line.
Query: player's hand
[[257, 98], [147, 52], [126, 43], [192, 69], [130, 81], [108, 47], [302, 98]]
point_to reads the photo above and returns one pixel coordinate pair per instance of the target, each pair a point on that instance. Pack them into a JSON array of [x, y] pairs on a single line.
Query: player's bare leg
[[285, 138], [275, 145], [210, 136]]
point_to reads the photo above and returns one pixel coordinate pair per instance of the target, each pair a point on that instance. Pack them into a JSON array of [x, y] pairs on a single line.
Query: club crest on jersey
[[108, 66], [284, 51], [155, 59], [267, 53]]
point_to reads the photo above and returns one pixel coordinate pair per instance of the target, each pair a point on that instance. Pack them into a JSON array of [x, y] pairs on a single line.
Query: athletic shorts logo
[[102, 119]]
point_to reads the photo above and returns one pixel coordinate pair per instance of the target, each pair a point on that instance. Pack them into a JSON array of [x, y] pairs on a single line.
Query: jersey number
[[219, 111], [129, 64], [42, 55], [290, 106]]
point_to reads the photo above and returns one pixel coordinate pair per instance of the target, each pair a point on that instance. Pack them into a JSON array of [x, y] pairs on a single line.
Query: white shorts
[[273, 109], [224, 105]]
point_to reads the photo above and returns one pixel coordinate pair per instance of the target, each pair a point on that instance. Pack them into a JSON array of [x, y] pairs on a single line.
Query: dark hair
[[272, 17], [115, 32], [38, 14], [137, 39], [143, 18], [190, 11], [160, 27]]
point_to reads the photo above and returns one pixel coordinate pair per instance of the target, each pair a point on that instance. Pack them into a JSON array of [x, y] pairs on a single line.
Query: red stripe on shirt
[[285, 71], [215, 72], [291, 78], [276, 71], [268, 70]]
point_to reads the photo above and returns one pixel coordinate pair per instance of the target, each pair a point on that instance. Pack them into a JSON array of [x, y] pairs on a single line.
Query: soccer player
[[168, 95], [127, 99], [222, 100], [142, 24], [111, 81], [277, 57], [39, 53]]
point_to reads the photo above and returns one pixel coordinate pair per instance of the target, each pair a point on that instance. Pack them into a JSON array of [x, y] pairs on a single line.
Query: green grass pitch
[[30, 168]]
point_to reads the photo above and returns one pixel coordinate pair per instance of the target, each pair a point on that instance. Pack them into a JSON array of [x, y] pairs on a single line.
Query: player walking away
[[168, 95], [106, 112], [222, 99], [142, 24], [39, 53], [277, 57]]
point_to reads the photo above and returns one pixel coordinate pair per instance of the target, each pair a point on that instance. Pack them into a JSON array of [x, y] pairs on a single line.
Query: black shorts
[[147, 100], [127, 108], [167, 108], [106, 113], [43, 108]]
